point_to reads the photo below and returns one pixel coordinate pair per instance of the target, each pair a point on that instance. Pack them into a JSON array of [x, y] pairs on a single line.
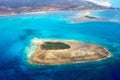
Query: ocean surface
[[17, 31]]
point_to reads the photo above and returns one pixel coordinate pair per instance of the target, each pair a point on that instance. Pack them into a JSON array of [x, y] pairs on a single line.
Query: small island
[[88, 18], [64, 51]]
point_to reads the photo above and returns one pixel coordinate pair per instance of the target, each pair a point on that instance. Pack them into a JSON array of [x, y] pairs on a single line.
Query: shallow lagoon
[[17, 31]]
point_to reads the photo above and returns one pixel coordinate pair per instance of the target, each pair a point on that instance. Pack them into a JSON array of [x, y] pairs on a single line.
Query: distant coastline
[[79, 16], [42, 12], [83, 12]]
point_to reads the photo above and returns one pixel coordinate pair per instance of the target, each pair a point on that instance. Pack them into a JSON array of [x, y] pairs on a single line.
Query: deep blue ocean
[[17, 31]]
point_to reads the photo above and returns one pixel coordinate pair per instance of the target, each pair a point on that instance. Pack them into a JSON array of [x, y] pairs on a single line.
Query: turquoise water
[[16, 32], [108, 14]]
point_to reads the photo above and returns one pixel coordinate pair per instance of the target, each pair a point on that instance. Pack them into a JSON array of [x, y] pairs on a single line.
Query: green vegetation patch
[[54, 46]]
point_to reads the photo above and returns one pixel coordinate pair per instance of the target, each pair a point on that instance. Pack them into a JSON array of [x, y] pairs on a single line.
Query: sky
[[113, 3]]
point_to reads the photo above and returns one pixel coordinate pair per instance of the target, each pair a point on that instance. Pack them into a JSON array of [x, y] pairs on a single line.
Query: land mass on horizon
[[16, 7]]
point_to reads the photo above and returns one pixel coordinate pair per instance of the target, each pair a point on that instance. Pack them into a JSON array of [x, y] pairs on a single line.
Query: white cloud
[[101, 2]]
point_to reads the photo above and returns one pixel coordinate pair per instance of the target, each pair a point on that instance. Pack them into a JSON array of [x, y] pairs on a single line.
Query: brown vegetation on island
[[71, 51]]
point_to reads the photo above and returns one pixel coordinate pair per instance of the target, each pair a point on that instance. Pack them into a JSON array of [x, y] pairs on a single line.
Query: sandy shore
[[78, 13], [41, 12], [78, 52]]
